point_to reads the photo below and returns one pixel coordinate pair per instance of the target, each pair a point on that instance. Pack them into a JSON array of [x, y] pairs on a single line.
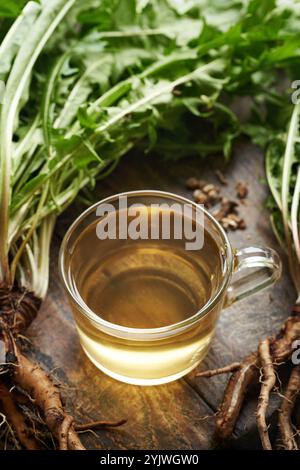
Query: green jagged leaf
[[87, 156], [87, 120], [27, 191]]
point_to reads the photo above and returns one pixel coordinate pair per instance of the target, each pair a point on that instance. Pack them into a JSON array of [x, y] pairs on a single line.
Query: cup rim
[[144, 333]]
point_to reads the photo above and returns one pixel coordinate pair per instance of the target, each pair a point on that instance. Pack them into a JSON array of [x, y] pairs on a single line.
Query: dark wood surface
[[179, 415]]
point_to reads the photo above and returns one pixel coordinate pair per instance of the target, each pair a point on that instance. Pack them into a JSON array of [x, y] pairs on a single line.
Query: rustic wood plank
[[168, 416]]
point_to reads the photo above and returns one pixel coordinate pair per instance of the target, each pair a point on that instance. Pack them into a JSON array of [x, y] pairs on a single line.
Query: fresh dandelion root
[[287, 433], [17, 310], [234, 396], [99, 425], [65, 428], [268, 381], [32, 378], [16, 419], [222, 370], [271, 352]]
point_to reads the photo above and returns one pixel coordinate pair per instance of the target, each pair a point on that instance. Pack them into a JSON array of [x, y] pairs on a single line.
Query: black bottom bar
[[148, 459]]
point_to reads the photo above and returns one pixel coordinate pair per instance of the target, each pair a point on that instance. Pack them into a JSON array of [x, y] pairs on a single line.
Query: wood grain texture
[[177, 415]]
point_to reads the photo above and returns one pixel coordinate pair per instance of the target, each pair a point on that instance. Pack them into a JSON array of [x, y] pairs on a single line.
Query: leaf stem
[[295, 215], [29, 51], [159, 91], [288, 160], [29, 233]]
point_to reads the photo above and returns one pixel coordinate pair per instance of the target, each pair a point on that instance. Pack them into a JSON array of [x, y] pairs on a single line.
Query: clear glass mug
[[150, 356]]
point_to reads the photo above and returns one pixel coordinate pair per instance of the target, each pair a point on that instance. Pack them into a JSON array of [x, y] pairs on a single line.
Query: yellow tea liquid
[[144, 284]]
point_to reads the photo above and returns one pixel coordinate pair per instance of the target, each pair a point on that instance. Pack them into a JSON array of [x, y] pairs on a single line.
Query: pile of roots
[[261, 367], [26, 390]]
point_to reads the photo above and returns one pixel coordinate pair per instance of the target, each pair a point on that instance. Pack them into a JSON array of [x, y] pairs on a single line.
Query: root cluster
[[260, 367], [26, 390]]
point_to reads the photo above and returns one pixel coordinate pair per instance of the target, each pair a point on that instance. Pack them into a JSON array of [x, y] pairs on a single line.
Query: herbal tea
[[144, 284], [146, 305]]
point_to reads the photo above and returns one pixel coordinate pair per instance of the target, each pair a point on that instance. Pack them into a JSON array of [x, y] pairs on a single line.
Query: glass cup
[[155, 355]]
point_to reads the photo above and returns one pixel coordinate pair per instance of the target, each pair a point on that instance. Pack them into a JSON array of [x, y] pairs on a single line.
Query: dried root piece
[[233, 222], [227, 207], [222, 370], [241, 190], [16, 419], [64, 433], [194, 183], [99, 425], [221, 177], [234, 395], [287, 433], [227, 215], [34, 380], [207, 194], [267, 385]]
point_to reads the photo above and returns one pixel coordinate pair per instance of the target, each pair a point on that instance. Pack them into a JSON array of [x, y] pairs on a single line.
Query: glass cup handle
[[254, 269]]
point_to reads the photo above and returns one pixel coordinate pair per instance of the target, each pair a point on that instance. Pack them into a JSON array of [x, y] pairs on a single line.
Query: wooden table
[[179, 415]]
